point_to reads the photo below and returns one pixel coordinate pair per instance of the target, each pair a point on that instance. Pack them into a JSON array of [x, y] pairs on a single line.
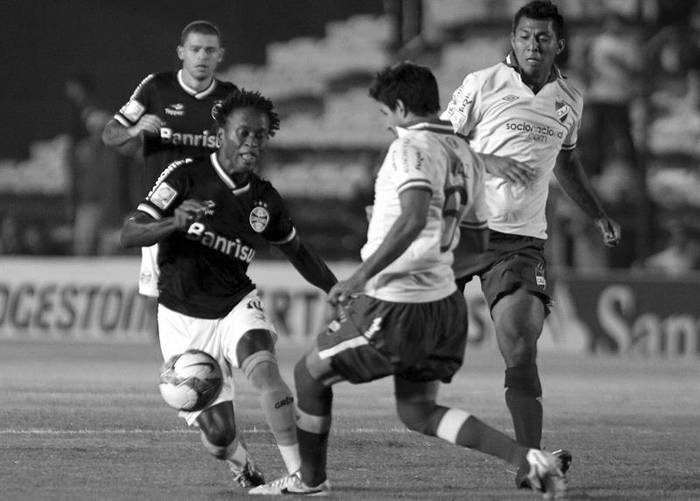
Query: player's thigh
[[179, 332], [245, 330], [433, 348], [517, 263], [358, 344]]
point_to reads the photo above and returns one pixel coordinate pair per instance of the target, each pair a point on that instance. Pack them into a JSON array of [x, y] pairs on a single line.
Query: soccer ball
[[190, 381]]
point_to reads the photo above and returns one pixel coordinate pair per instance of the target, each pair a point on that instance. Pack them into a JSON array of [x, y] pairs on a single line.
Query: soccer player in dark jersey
[[170, 112], [208, 215]]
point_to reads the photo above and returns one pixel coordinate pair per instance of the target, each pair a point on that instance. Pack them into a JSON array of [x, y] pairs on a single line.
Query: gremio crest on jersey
[[259, 217]]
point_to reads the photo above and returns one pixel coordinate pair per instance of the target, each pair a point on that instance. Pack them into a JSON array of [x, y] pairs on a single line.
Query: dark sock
[[314, 403], [523, 394], [477, 435]]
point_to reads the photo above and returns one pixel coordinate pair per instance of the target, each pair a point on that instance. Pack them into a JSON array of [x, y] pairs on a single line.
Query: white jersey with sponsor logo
[[501, 115], [427, 156]]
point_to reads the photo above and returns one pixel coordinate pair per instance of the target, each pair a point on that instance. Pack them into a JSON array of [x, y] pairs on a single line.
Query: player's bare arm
[[509, 169], [116, 134], [573, 180], [414, 215], [142, 230], [309, 264]]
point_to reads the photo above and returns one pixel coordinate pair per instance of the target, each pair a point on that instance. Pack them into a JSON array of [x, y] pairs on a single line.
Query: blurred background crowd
[[62, 192]]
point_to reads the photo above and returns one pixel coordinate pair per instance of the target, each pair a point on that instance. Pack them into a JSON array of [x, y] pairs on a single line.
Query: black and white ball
[[190, 381]]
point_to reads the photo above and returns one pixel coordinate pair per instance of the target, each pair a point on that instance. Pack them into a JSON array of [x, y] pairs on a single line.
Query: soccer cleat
[[246, 476], [291, 484], [545, 475], [564, 458]]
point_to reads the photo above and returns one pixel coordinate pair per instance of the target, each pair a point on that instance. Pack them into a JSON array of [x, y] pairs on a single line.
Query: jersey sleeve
[[571, 138], [410, 167], [138, 104], [280, 228], [168, 192], [462, 111]]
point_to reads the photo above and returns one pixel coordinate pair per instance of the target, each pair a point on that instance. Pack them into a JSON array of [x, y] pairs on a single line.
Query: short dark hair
[[413, 84], [241, 98], [542, 10], [203, 27]]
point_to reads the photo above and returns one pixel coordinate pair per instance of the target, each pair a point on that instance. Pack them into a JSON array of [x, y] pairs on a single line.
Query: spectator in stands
[[673, 62], [612, 71], [96, 184], [10, 236], [682, 253]]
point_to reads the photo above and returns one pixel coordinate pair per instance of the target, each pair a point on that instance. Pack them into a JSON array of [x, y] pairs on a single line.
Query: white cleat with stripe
[[291, 484]]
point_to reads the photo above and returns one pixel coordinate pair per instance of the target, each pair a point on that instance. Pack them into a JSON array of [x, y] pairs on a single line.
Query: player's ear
[[181, 52], [400, 107], [221, 55], [561, 43]]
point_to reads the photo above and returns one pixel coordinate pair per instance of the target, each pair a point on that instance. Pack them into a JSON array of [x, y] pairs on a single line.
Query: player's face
[[243, 140], [535, 46], [392, 118], [200, 55]]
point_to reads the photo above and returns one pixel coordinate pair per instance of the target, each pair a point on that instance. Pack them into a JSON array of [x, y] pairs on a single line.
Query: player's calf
[[277, 402]]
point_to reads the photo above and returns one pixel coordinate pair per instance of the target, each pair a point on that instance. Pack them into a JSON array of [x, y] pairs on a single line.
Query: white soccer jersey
[[425, 156], [501, 115]]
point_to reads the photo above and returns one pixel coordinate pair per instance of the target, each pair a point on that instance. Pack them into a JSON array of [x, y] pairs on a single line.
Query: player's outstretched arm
[[309, 264], [116, 134], [405, 229], [142, 229], [575, 183]]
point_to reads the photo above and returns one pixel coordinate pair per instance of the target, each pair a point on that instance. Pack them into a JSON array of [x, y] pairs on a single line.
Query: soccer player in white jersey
[[524, 108], [401, 312]]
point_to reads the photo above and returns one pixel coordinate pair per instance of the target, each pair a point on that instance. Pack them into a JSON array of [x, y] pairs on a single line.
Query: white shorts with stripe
[[149, 272], [218, 337]]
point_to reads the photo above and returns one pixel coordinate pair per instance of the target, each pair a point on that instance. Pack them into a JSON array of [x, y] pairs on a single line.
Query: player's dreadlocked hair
[[241, 98]]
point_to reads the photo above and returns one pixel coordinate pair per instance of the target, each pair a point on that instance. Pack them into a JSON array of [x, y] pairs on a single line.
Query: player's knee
[[417, 416], [313, 396], [524, 378], [260, 368]]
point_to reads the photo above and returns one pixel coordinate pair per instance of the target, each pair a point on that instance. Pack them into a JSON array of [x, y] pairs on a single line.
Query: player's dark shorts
[[511, 262], [417, 341]]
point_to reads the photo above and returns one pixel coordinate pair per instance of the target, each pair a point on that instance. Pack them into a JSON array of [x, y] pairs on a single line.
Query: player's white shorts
[[149, 272], [218, 337]]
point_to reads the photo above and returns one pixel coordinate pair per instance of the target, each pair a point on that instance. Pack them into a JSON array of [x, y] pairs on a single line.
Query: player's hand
[[190, 211], [510, 170], [345, 290], [609, 230], [148, 124]]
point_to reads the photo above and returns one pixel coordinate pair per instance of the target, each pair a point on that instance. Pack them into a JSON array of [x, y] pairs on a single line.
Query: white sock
[[290, 456]]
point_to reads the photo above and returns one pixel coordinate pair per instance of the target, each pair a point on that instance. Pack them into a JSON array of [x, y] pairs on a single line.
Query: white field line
[[140, 431]]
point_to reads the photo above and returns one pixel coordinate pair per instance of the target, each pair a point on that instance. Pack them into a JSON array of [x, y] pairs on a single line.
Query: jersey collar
[[436, 125], [195, 93], [512, 62], [226, 178]]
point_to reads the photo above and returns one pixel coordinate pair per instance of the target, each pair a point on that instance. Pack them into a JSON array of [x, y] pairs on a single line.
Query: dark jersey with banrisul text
[[188, 127], [203, 270]]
